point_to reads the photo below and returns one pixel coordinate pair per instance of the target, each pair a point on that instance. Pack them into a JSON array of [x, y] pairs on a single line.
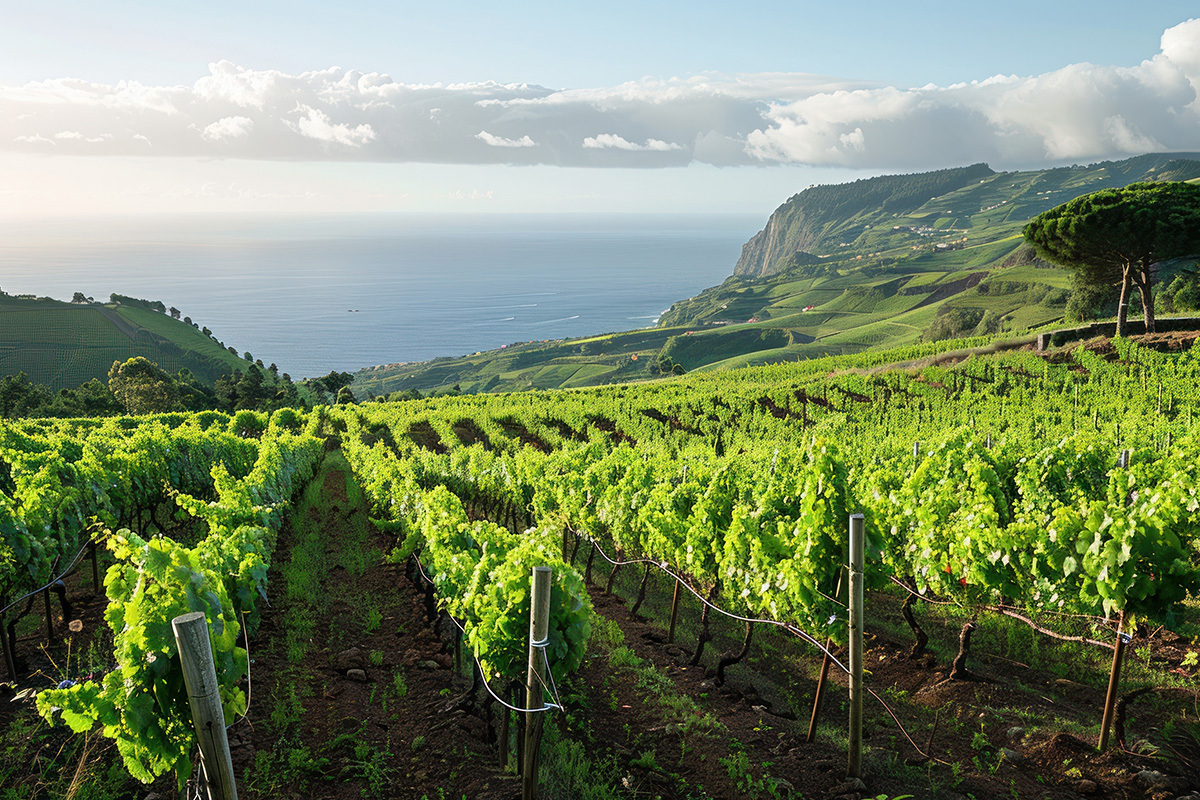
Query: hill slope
[[62, 345], [837, 269], [826, 220]]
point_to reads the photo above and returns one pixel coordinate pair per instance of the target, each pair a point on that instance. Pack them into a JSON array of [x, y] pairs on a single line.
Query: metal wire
[[65, 573], [788, 626], [791, 628], [550, 674], [483, 677], [1010, 611]]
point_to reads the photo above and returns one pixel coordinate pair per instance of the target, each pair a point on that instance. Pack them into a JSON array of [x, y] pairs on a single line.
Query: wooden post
[[674, 613], [200, 676], [1114, 680], [826, 659], [506, 715], [9, 654], [1123, 460], [916, 451], [854, 768], [520, 732], [539, 630]]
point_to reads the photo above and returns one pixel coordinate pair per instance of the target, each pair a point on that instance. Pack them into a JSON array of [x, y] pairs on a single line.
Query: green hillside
[[886, 261], [62, 345], [886, 217]]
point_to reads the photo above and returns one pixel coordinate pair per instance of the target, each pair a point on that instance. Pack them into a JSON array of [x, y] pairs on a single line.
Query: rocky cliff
[[814, 220]]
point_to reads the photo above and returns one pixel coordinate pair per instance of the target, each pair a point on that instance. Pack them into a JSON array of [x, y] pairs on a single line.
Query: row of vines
[[990, 482], [220, 482]]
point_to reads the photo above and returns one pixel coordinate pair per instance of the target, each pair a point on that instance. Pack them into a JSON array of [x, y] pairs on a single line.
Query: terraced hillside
[[62, 345]]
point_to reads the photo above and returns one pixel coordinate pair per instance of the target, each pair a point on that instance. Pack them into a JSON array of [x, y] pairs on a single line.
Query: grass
[[38, 762], [62, 345], [304, 600], [567, 769]]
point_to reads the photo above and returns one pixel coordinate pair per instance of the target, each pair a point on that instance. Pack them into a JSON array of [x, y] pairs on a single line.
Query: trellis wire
[[787, 626], [74, 562], [542, 645]]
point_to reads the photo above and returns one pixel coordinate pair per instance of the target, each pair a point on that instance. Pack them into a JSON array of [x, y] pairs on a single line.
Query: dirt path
[[354, 692]]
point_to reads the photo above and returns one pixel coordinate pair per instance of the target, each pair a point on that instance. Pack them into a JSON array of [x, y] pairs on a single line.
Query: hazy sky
[[300, 106]]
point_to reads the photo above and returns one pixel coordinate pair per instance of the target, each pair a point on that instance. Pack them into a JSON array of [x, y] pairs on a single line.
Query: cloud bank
[[1081, 111]]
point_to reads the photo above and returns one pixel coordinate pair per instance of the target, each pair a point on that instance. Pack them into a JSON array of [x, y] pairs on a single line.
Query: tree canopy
[[142, 386], [333, 382], [18, 396], [1118, 235]]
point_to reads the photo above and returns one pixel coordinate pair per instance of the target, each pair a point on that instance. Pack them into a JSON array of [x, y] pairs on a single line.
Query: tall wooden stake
[[674, 613], [1114, 680], [506, 715], [854, 767], [539, 630], [200, 676], [826, 659], [9, 654], [520, 733]]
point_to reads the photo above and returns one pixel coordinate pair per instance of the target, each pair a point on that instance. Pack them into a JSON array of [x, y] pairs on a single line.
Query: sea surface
[[316, 294]]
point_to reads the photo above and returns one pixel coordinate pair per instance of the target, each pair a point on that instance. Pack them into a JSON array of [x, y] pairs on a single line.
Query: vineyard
[[1031, 524]]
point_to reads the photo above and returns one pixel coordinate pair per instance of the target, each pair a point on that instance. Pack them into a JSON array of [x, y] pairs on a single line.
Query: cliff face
[[817, 218], [785, 234]]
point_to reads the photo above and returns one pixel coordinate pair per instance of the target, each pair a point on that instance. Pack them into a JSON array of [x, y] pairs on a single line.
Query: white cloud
[[1181, 47], [228, 128], [1077, 112], [606, 140], [853, 140], [76, 136], [316, 124], [500, 141]]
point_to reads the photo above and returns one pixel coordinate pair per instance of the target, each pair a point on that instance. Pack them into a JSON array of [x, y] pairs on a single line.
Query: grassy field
[[62, 345]]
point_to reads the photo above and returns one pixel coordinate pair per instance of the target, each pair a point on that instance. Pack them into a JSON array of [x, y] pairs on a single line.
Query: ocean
[[344, 292]]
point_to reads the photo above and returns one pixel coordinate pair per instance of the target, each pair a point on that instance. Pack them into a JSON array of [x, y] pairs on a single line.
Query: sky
[[146, 107]]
